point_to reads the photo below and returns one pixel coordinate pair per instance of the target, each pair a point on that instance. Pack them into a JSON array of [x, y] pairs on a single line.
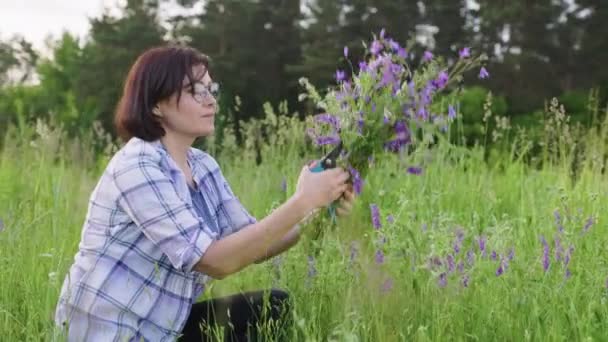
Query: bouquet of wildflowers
[[386, 107]]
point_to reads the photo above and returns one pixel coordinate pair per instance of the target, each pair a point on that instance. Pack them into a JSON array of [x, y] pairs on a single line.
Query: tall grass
[[426, 288]]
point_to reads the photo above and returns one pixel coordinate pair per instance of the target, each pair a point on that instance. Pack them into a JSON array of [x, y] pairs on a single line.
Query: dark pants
[[240, 316]]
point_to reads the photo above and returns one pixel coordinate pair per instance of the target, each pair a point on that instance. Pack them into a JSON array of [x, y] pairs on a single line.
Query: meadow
[[490, 242]]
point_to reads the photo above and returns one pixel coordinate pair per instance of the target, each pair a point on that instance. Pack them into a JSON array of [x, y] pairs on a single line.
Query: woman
[[162, 221]]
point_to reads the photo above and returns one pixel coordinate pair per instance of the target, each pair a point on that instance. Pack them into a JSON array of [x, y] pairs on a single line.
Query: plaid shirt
[[133, 276]]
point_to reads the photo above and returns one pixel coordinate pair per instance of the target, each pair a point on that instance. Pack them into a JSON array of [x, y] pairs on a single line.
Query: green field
[[426, 288]]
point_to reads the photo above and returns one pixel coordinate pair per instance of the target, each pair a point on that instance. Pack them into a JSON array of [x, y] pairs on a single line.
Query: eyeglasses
[[202, 92]]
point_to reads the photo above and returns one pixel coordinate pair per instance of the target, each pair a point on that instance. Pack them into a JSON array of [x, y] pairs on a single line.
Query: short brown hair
[[157, 74]]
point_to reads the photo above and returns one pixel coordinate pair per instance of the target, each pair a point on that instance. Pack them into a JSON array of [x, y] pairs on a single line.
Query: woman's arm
[[256, 241]]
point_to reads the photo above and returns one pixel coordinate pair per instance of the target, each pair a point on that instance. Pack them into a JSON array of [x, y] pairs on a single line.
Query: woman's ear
[[156, 112]]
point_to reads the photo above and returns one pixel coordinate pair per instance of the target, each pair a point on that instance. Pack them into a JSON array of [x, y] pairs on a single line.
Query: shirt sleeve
[[232, 215], [150, 199]]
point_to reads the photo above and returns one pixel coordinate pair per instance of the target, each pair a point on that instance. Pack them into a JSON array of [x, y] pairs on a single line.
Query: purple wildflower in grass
[[493, 255], [443, 280], [470, 257], [312, 270], [465, 280], [465, 52], [500, 270], [376, 47], [568, 255], [390, 219], [346, 51], [588, 224], [402, 53], [327, 140], [482, 245], [375, 216], [382, 33], [456, 246], [461, 267], [363, 66], [441, 81], [422, 113], [451, 112], [435, 262], [284, 184], [427, 56], [450, 262], [367, 99], [546, 254], [379, 257], [511, 254], [373, 107], [340, 75], [414, 170], [568, 274], [483, 73], [386, 120], [357, 181], [387, 286], [558, 221], [424, 227], [330, 119], [393, 44]]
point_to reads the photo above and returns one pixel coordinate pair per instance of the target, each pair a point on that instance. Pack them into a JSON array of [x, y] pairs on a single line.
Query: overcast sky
[[35, 19]]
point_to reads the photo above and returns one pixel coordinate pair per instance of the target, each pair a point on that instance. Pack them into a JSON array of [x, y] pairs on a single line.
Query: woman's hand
[[346, 202], [319, 189]]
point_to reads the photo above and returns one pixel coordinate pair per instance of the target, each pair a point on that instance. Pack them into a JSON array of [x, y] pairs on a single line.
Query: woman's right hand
[[319, 189]]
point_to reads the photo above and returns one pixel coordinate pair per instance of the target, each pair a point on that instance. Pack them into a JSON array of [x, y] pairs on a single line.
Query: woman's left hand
[[346, 202]]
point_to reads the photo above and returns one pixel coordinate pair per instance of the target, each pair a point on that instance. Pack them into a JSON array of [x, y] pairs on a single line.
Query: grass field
[[473, 251]]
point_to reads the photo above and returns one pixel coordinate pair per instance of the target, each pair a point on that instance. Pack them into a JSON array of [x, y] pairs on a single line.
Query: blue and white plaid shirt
[[133, 277]]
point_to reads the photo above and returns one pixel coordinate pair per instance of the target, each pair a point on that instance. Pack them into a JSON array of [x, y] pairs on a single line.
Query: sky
[[36, 19]]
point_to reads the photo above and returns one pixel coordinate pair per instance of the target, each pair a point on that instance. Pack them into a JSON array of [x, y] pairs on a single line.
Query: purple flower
[[461, 267], [393, 44], [402, 53], [333, 120], [376, 47], [442, 80], [465, 52], [390, 219], [346, 51], [402, 137], [546, 252], [340, 75], [443, 281], [363, 66], [465, 280], [483, 73], [493, 255], [568, 255], [373, 107], [375, 216], [451, 112], [558, 221], [284, 184], [379, 257], [588, 224], [450, 261], [414, 170], [568, 273], [422, 113], [428, 56], [327, 140], [357, 181], [424, 227], [482, 244], [387, 285], [382, 33], [500, 270], [511, 254], [470, 257]]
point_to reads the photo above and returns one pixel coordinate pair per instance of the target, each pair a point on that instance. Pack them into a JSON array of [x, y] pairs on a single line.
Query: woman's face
[[194, 115]]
